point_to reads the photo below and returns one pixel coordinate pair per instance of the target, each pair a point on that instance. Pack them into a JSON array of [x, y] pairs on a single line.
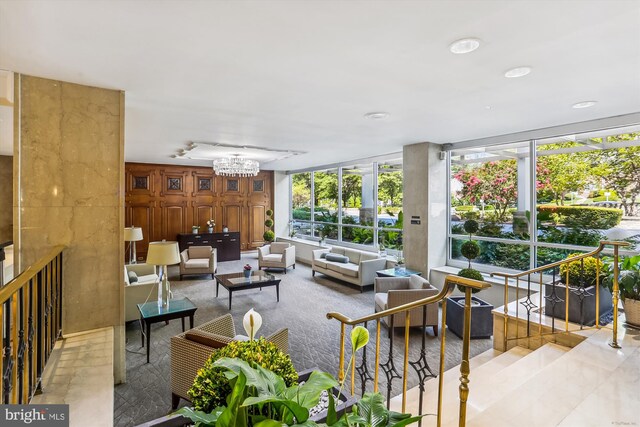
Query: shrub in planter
[[628, 284], [582, 300], [211, 387], [269, 223], [269, 236]]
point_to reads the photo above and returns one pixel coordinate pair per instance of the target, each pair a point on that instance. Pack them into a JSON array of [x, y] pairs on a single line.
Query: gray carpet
[[313, 340]]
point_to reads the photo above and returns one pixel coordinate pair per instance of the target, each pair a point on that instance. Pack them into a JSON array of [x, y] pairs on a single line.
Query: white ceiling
[[300, 75]]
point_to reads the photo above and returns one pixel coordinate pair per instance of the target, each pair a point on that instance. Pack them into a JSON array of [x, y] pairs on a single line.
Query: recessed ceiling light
[[464, 45], [378, 115], [584, 104], [517, 72]]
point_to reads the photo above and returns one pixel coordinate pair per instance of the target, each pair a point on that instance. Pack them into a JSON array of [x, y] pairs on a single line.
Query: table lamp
[[163, 254], [132, 235]]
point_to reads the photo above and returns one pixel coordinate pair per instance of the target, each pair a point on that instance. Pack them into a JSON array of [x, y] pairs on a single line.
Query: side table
[[397, 272], [150, 313]]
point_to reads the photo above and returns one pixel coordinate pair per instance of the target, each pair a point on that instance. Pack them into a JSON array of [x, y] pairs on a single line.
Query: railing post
[[464, 366], [616, 291]]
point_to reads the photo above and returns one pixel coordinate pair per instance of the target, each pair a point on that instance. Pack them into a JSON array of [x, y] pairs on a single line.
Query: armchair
[[198, 260], [189, 353], [392, 292], [140, 290], [277, 255]]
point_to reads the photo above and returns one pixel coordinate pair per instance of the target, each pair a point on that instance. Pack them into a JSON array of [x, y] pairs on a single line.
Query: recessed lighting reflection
[[517, 72], [464, 45], [584, 104]]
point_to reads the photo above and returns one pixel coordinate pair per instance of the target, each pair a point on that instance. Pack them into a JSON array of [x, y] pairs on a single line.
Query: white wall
[[281, 204]]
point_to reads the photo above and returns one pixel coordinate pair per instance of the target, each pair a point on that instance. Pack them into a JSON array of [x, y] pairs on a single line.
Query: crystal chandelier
[[236, 166]]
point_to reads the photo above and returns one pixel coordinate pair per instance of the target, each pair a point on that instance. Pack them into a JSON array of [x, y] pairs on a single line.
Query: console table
[[227, 244]]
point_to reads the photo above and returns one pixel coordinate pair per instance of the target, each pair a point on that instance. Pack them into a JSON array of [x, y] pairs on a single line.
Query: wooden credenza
[[226, 244]]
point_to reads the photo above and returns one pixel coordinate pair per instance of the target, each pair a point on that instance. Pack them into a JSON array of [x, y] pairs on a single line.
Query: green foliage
[[371, 411], [470, 273], [628, 279], [561, 174], [302, 213], [471, 226], [462, 209], [569, 236], [268, 222], [582, 217], [269, 213], [582, 272], [211, 387], [390, 187], [269, 236], [470, 249]]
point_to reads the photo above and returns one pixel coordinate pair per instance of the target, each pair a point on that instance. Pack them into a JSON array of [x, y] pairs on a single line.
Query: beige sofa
[[143, 290], [359, 270], [198, 260]]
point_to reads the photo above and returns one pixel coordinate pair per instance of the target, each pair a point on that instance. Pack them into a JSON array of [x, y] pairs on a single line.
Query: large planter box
[[632, 311], [179, 421], [481, 317], [580, 312]]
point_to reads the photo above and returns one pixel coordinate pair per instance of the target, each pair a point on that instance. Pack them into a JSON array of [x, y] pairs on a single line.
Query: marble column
[[6, 198], [70, 184]]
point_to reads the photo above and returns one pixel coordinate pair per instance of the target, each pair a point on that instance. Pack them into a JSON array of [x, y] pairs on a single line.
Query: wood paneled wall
[[166, 200]]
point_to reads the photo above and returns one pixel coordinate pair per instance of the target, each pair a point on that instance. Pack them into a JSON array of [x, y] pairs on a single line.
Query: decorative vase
[[195, 230], [247, 273], [210, 229], [225, 230]]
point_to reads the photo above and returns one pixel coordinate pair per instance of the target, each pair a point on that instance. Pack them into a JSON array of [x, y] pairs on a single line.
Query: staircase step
[[486, 387], [489, 362], [589, 377]]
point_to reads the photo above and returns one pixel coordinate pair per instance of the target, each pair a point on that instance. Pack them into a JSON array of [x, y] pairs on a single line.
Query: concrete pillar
[[281, 197], [367, 205], [424, 206], [520, 221]]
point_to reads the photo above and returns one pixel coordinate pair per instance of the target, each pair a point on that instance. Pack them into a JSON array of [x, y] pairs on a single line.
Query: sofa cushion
[[204, 338], [199, 251], [337, 250], [418, 282], [366, 256], [349, 270], [323, 255], [337, 258], [133, 277], [334, 266], [197, 263], [320, 262], [381, 300], [272, 257], [278, 247], [353, 254]]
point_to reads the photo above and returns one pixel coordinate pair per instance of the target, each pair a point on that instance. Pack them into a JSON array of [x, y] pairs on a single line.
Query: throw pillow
[[337, 258], [133, 277], [323, 255], [205, 338]]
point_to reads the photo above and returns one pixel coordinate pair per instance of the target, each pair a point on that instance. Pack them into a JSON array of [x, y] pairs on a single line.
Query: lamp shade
[[163, 253], [132, 234]]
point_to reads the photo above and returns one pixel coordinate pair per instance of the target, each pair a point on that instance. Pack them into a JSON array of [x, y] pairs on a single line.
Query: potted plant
[[269, 236], [481, 317], [259, 396], [582, 276], [211, 224], [195, 229], [247, 270], [628, 284]]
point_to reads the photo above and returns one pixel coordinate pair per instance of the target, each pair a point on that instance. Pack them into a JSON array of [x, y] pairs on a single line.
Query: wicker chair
[[187, 356], [392, 292]]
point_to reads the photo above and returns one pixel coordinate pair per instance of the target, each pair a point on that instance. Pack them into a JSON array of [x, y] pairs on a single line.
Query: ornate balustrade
[[31, 313], [552, 299], [420, 365]]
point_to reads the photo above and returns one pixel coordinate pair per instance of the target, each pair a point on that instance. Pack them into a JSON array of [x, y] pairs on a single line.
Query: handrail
[[31, 272], [31, 318], [421, 366], [546, 267], [554, 299]]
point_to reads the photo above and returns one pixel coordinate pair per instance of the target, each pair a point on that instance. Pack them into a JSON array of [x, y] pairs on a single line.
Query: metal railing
[[555, 295], [31, 313], [420, 365]]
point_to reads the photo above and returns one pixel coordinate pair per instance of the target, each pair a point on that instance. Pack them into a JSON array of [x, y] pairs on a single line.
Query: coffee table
[[237, 282], [150, 313], [397, 272]]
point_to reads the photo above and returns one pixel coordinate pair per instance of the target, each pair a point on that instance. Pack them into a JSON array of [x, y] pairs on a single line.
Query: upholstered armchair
[[198, 260], [190, 350], [139, 287], [277, 255], [391, 292]]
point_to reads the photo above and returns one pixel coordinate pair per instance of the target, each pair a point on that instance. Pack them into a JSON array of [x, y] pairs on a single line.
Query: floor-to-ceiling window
[[585, 188], [358, 203]]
